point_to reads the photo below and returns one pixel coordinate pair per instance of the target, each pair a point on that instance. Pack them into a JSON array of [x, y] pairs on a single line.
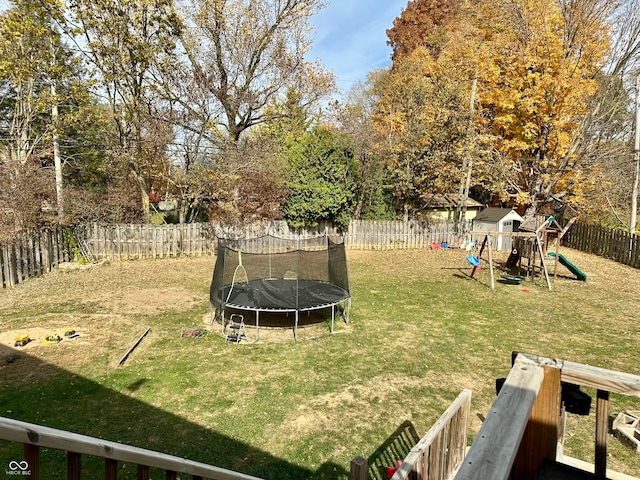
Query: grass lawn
[[421, 330]]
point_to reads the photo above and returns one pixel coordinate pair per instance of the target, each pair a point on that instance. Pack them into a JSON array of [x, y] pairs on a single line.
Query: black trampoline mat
[[282, 294]]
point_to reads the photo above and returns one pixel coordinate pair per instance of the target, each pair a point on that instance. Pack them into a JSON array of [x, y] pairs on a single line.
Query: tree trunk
[[467, 164], [636, 162], [57, 160]]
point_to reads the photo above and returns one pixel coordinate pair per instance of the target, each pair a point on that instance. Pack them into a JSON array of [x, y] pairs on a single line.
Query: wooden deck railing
[[439, 453], [493, 452], [34, 437], [521, 431], [523, 425]]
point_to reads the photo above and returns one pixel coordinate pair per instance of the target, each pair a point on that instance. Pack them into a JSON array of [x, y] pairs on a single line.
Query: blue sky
[[350, 37]]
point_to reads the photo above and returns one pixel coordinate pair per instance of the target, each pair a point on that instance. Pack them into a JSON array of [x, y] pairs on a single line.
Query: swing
[[473, 260], [512, 279]]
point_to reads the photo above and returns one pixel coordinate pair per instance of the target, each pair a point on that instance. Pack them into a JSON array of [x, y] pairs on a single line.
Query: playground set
[[530, 256]]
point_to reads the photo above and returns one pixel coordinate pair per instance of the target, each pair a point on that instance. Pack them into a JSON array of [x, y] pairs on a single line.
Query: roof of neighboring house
[[450, 200], [495, 214]]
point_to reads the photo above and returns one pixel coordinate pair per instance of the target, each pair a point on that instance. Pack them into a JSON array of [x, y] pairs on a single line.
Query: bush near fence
[[36, 255]]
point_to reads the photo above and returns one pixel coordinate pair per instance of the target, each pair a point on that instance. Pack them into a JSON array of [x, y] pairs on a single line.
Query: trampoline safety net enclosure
[[271, 274]]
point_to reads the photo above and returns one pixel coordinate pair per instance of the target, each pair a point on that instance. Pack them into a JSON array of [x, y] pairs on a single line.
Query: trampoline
[[280, 276]]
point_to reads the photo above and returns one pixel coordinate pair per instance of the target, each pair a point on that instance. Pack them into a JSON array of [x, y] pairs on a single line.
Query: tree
[[421, 120], [373, 199], [538, 64], [25, 64], [422, 24], [608, 129], [243, 56], [607, 197], [36, 74], [319, 178], [248, 183], [126, 41], [548, 100]]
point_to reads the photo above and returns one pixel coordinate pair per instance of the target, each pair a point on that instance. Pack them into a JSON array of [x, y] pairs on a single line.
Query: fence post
[[8, 266], [46, 250], [20, 262]]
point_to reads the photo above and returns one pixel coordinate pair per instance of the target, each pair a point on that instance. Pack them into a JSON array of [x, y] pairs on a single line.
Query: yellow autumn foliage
[[536, 63], [535, 85]]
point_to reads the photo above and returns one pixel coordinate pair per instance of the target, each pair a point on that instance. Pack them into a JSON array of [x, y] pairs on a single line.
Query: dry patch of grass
[[99, 343]]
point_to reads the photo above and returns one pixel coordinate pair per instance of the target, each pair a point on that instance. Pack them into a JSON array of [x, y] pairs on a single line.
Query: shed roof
[[495, 214], [450, 200]]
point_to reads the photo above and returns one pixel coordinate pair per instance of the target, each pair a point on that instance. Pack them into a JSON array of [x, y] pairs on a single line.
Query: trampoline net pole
[[326, 245], [297, 278], [269, 249]]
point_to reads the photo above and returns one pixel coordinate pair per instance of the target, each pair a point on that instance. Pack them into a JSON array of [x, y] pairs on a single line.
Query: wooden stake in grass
[[133, 347]]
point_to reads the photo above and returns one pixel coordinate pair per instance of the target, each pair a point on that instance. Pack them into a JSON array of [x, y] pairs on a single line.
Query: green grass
[[421, 330]]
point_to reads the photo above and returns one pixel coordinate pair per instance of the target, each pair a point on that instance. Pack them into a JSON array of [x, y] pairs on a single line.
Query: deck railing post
[[110, 469], [602, 427], [32, 457], [358, 469], [143, 472], [496, 445], [73, 466], [540, 439]]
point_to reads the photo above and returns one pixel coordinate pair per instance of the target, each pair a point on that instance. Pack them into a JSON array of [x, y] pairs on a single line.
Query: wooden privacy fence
[[160, 241], [35, 255], [31, 256], [617, 245], [439, 453], [137, 241], [363, 234]]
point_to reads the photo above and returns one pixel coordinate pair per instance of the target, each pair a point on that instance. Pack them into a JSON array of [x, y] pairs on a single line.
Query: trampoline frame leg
[[222, 322], [333, 316]]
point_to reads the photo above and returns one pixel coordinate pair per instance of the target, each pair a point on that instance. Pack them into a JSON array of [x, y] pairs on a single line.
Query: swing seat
[[473, 260], [512, 279]]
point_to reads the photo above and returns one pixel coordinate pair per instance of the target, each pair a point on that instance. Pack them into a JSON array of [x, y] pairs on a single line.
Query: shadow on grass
[[38, 392]]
